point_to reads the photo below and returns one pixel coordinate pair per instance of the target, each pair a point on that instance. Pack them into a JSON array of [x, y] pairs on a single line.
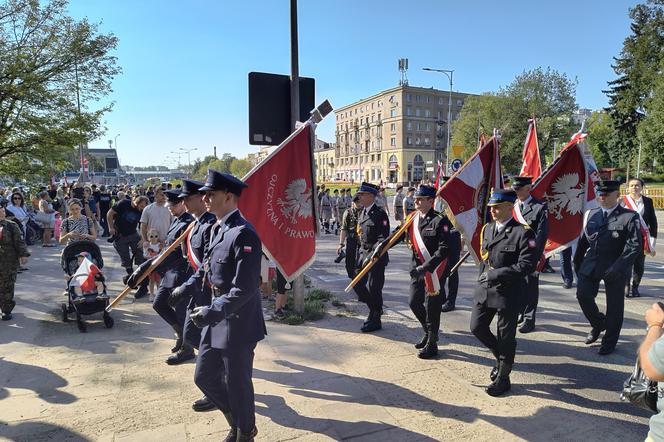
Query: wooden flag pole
[[390, 241], [155, 263]]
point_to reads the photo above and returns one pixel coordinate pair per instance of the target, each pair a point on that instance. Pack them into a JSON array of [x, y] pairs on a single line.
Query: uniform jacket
[[174, 270], [233, 266], [509, 256], [349, 223], [536, 215], [435, 230], [609, 247], [200, 240], [12, 247], [374, 227]]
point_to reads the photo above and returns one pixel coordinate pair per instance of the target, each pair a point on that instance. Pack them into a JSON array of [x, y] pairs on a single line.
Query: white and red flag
[[568, 190], [531, 166], [279, 203], [468, 190], [648, 239], [85, 276]]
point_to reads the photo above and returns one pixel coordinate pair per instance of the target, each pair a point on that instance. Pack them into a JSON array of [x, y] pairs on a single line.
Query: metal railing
[[656, 193]]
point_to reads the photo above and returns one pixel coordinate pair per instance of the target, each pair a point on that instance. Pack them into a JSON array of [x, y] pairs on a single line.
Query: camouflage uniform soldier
[[12, 252]]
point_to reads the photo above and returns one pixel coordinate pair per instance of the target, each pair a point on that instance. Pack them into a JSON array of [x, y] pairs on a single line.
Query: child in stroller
[[89, 298]]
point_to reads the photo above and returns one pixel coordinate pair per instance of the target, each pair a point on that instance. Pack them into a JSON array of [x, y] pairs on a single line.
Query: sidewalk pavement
[[318, 381]]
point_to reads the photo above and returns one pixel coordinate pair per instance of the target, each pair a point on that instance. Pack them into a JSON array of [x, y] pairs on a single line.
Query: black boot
[[246, 437], [184, 354], [373, 323], [448, 306], [233, 433], [178, 338], [431, 348], [424, 339], [502, 383], [203, 404], [635, 286], [494, 371]]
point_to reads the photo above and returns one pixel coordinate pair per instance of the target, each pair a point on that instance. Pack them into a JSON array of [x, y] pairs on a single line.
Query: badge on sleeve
[[247, 249], [531, 243], [446, 229], [384, 222]]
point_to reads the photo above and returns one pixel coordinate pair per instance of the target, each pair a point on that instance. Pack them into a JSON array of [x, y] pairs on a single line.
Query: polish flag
[[532, 166], [85, 276], [467, 193], [279, 203]]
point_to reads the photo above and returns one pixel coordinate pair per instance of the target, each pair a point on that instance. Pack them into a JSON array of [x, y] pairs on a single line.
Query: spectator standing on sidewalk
[[156, 216], [46, 218], [104, 207], [14, 253]]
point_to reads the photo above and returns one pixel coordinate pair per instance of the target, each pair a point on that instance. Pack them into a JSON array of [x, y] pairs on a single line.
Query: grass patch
[[318, 294], [314, 306]]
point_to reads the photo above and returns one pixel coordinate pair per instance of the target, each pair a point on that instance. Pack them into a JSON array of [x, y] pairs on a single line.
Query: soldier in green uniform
[[13, 252]]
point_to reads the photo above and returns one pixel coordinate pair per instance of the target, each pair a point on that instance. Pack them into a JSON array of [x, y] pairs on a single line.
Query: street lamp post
[[188, 152], [450, 75], [115, 141], [178, 153]]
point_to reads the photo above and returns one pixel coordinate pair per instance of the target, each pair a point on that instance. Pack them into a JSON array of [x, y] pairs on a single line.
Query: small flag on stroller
[[85, 276]]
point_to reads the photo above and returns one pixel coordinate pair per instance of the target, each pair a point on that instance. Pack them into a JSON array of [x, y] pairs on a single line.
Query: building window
[[428, 99], [459, 103], [372, 158], [418, 125], [409, 111], [417, 111], [378, 158], [440, 100], [393, 127], [379, 115], [428, 127], [417, 141], [393, 112], [427, 141], [409, 141], [409, 97], [427, 113], [409, 126], [393, 141]]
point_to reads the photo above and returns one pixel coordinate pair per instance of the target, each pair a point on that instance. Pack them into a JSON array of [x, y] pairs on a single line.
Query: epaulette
[[526, 226]]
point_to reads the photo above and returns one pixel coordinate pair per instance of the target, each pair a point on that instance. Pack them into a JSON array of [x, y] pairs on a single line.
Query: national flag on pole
[[568, 191], [279, 203], [85, 276], [468, 190], [531, 166]]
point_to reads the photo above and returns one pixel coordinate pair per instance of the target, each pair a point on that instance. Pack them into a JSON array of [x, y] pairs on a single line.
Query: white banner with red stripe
[[431, 283], [191, 256]]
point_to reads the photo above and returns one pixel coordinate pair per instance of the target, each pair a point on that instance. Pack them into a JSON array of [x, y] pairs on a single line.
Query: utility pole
[[298, 283], [83, 176], [450, 75]]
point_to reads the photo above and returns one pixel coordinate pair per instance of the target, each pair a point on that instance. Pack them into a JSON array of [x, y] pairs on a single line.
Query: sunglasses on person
[[153, 236], [17, 198]]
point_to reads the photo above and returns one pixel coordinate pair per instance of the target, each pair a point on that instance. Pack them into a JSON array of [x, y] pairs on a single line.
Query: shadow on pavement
[[39, 431], [41, 380]]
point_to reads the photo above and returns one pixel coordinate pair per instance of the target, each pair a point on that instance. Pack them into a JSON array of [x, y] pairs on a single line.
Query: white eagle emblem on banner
[[297, 201], [566, 195]]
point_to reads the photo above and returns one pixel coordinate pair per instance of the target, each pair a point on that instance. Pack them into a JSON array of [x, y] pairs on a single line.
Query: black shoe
[[635, 292], [567, 285], [447, 307], [372, 326], [423, 341], [527, 327], [203, 404], [231, 436], [429, 351], [494, 373], [6, 316], [606, 349], [141, 292], [520, 318], [499, 387], [183, 355], [548, 269], [246, 437], [593, 335]]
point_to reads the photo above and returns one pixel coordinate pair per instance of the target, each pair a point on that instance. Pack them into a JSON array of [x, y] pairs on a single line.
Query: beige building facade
[[395, 136]]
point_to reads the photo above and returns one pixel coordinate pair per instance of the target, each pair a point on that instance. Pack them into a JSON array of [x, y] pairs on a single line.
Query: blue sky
[[185, 63]]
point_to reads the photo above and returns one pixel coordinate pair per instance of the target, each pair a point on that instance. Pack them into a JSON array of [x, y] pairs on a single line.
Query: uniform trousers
[[586, 292], [425, 307], [351, 257], [531, 297], [128, 249], [174, 316], [639, 268], [502, 345], [452, 260], [224, 376], [7, 283], [369, 289], [566, 266]]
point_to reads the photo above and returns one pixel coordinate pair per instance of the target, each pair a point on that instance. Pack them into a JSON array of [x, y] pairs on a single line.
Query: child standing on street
[[151, 249]]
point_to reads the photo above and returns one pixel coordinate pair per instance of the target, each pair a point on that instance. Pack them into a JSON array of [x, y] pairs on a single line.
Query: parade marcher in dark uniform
[[196, 245], [348, 237], [454, 254], [428, 237], [646, 209], [533, 212], [104, 207], [233, 323], [508, 251], [606, 250], [373, 228], [174, 270], [13, 252]]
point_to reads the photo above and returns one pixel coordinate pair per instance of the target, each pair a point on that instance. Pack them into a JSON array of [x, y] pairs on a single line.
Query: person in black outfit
[[645, 207], [508, 253], [609, 244], [104, 199], [374, 227], [428, 237], [533, 212], [348, 237]]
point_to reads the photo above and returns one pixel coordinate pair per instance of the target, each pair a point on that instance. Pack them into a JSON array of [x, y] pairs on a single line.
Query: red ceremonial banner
[[532, 166], [279, 204], [467, 193]]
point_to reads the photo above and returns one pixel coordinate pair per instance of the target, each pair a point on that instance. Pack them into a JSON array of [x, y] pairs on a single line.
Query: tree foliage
[[226, 164], [45, 57], [547, 95]]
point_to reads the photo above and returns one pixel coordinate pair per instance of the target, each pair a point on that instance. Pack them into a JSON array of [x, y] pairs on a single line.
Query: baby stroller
[[91, 301]]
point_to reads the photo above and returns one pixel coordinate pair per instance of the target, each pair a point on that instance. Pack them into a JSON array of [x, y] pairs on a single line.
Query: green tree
[[600, 130], [547, 95], [47, 57], [240, 167], [651, 130]]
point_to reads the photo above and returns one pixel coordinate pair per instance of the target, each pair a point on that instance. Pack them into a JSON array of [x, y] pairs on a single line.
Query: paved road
[[319, 381]]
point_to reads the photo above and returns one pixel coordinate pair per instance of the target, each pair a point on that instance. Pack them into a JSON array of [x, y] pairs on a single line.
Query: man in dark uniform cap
[[429, 239], [373, 228], [508, 251], [193, 290], [174, 270], [533, 212], [606, 250], [233, 323]]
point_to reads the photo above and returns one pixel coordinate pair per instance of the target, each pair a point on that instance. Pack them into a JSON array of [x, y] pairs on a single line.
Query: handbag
[[639, 390]]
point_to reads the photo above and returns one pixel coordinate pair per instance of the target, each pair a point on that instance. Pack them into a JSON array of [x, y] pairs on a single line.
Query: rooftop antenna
[[403, 67]]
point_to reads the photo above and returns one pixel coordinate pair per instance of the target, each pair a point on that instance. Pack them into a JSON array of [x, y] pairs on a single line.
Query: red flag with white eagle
[[468, 190], [280, 206], [532, 166], [568, 191], [85, 276]]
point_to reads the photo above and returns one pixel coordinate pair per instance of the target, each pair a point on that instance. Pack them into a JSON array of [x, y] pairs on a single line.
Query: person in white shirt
[[156, 216]]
